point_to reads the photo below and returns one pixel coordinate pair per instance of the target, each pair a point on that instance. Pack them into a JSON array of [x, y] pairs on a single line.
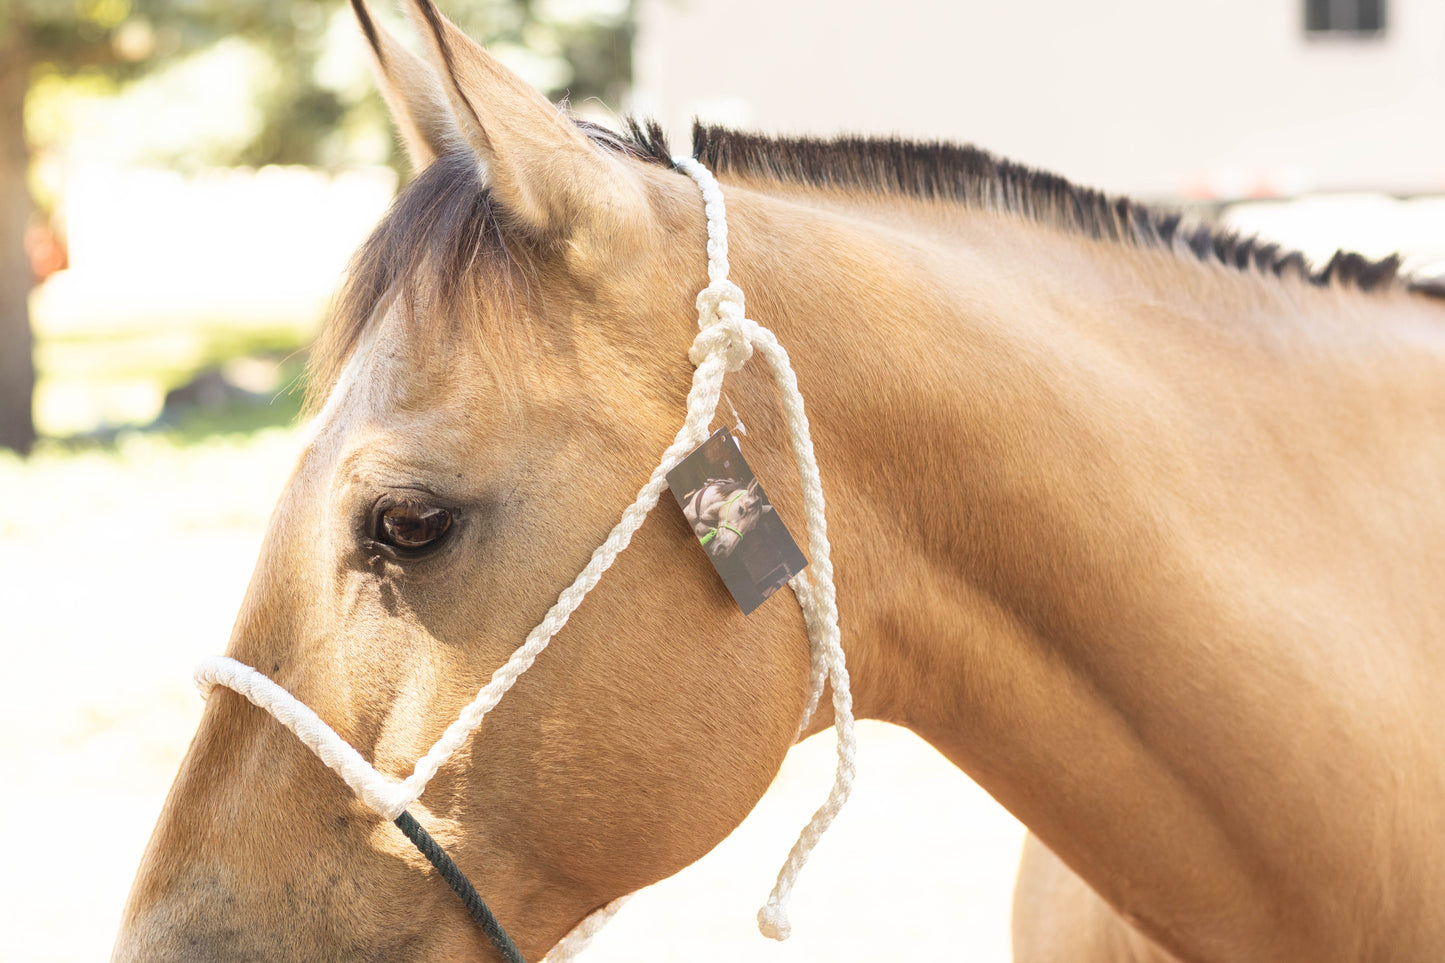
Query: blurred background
[[182, 182]]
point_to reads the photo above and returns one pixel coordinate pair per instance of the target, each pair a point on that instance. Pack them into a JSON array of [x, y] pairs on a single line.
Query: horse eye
[[411, 525]]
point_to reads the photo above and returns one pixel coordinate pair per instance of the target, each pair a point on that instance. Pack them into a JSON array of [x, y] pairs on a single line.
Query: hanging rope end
[[773, 921]]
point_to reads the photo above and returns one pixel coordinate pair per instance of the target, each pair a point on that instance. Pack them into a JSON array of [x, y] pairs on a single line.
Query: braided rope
[[581, 935], [724, 324], [725, 342], [380, 793]]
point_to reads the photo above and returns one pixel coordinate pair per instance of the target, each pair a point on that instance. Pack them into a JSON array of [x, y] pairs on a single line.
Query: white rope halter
[[725, 343]]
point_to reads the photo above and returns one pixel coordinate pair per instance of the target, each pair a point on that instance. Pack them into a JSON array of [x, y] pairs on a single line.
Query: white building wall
[[1157, 98]]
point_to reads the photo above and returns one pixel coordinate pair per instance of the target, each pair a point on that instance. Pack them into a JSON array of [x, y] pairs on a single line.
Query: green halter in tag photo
[[734, 522], [725, 516]]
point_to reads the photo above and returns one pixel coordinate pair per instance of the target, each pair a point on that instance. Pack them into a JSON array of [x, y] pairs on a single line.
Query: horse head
[[507, 362], [737, 515]]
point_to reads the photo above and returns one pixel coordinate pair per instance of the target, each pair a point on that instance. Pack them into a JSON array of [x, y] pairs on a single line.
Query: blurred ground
[[170, 275], [123, 567]]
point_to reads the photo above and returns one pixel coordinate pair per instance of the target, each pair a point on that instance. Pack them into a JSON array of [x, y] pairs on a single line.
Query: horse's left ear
[[549, 179], [413, 94]]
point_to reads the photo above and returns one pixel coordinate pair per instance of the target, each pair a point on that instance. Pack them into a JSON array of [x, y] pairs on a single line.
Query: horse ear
[[547, 176], [413, 93]]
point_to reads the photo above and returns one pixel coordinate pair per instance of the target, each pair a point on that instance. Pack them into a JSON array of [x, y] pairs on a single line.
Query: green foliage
[[588, 41], [579, 49]]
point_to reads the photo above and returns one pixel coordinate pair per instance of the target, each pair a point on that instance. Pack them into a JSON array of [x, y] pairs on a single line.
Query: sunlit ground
[[170, 276], [121, 568]]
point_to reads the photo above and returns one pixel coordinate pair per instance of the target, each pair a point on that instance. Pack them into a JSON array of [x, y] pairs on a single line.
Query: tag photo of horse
[[734, 522]]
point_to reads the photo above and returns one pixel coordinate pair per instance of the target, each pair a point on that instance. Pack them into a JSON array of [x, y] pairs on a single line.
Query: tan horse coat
[[1151, 546]]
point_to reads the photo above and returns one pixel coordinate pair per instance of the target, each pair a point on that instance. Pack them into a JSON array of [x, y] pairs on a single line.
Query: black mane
[[978, 179], [443, 225]]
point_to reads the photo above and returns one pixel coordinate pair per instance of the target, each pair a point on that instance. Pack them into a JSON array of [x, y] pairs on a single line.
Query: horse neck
[[1074, 489], [967, 430]]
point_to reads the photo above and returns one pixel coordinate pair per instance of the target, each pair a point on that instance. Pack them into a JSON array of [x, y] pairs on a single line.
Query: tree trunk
[[17, 357]]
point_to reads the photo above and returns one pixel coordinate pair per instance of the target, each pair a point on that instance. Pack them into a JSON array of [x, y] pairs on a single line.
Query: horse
[[721, 512], [1140, 524]]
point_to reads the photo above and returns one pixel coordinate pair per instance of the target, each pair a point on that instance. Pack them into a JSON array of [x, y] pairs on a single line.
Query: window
[[1354, 18]]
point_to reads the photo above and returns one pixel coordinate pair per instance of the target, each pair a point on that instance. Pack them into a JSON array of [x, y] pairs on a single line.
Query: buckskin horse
[[1141, 525]]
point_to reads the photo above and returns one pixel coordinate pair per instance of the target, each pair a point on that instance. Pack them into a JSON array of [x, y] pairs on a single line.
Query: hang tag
[[734, 522]]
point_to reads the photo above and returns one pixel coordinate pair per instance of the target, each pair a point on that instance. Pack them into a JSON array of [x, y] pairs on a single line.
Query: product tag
[[733, 520]]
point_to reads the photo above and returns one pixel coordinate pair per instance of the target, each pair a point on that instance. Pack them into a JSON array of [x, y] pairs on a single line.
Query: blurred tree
[[17, 368], [583, 47]]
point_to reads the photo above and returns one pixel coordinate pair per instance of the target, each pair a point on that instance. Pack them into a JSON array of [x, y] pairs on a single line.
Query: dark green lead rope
[[463, 887]]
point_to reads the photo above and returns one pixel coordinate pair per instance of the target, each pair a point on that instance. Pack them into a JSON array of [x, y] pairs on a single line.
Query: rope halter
[[725, 343]]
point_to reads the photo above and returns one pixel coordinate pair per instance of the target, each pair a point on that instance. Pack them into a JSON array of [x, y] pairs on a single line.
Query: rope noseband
[[724, 344]]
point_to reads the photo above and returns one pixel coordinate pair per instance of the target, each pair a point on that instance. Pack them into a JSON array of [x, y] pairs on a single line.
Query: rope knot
[[720, 299], [725, 327]]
